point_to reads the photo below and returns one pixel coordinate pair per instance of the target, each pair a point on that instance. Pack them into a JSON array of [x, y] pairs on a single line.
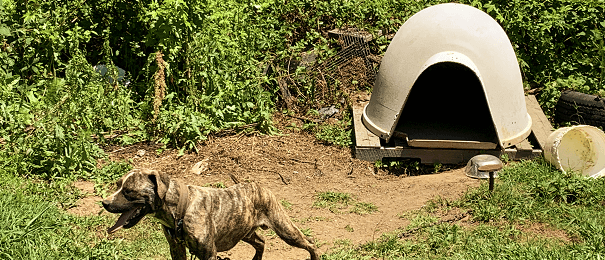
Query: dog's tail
[[233, 178]]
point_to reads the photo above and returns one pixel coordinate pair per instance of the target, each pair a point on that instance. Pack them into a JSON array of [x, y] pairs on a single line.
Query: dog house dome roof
[[465, 37]]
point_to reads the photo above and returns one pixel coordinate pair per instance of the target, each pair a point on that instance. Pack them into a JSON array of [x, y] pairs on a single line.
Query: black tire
[[580, 108]]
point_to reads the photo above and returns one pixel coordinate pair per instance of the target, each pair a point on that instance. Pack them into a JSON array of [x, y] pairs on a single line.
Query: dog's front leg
[[204, 252], [203, 243], [178, 251]]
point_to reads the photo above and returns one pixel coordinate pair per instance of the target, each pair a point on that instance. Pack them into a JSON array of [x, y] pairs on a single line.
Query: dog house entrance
[[449, 87], [447, 108]]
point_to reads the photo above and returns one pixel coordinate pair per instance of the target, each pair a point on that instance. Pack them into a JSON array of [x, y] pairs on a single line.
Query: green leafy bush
[[196, 67], [335, 134]]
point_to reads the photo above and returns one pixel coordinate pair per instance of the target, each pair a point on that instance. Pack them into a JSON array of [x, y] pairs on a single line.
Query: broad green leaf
[[4, 31]]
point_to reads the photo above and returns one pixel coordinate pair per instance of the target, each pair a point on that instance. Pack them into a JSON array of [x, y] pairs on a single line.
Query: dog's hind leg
[[178, 251], [257, 242], [292, 236], [287, 231]]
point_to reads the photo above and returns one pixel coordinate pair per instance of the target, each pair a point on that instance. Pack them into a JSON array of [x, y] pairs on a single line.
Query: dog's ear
[[160, 183]]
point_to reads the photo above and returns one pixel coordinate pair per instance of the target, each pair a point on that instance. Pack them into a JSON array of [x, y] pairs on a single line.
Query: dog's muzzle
[[129, 217]]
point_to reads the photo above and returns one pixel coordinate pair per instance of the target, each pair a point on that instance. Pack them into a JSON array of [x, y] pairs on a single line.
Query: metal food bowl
[[481, 165]]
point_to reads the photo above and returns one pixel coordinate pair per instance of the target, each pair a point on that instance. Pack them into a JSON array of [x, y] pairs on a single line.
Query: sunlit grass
[[528, 193], [33, 225]]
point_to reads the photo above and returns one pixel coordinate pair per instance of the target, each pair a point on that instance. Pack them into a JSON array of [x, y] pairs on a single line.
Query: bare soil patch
[[548, 232], [295, 167], [89, 204]]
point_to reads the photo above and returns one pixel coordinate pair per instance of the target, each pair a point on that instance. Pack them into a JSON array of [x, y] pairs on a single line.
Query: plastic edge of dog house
[[451, 33]]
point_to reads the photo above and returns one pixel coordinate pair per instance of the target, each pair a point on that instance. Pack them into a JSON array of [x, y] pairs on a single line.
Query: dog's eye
[[129, 194]]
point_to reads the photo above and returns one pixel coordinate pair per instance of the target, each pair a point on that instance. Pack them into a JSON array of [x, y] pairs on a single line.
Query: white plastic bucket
[[578, 148]]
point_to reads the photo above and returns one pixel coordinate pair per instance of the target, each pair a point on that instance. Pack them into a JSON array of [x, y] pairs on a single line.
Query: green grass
[[307, 232], [349, 229], [362, 208], [527, 193], [327, 198], [339, 134], [334, 201], [56, 112], [34, 225], [286, 204], [337, 201]]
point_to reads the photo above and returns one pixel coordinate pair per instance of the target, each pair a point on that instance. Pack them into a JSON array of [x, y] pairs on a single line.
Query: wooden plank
[[452, 144], [445, 156], [514, 154], [426, 156], [363, 136], [524, 145], [523, 149], [541, 127]]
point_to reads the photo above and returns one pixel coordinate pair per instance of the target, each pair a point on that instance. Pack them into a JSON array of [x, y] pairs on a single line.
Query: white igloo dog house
[[449, 81]]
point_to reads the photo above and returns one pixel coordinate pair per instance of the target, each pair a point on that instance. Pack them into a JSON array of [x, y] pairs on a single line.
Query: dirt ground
[[295, 167]]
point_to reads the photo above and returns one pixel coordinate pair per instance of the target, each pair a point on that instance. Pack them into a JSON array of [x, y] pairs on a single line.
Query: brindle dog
[[206, 220]]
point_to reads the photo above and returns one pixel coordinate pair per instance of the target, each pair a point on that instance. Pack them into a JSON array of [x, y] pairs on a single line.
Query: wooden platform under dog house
[[370, 147]]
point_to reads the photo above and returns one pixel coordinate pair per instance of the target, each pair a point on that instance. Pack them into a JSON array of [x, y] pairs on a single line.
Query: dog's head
[[139, 193]]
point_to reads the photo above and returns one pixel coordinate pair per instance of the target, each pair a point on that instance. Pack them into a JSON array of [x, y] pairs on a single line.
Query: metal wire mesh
[[352, 68], [354, 45]]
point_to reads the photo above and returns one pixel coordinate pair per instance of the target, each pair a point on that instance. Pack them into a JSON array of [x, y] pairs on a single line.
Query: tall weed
[[220, 65]]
